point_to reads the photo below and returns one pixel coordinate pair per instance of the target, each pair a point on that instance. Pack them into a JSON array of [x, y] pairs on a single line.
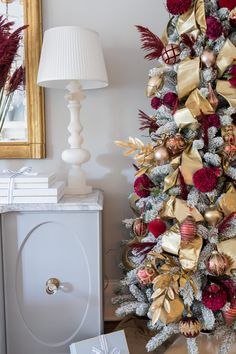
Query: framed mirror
[[23, 132]]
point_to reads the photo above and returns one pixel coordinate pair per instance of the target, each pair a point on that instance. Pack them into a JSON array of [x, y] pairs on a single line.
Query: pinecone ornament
[[190, 326], [175, 144], [188, 229]]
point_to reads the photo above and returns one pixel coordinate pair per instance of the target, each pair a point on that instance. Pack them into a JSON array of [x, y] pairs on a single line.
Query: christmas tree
[[180, 261]]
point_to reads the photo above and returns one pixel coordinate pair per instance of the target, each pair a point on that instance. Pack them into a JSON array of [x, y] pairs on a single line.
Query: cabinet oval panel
[[52, 250]]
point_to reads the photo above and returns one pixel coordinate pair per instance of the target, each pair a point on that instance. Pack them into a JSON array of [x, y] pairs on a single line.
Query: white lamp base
[[76, 155]]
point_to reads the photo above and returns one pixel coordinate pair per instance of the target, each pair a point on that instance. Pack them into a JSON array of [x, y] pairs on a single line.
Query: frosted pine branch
[[192, 346], [137, 293], [208, 318], [163, 336]]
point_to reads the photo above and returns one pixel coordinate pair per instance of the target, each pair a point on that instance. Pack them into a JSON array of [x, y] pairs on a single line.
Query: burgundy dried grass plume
[[147, 122], [226, 222], [17, 80], [151, 43]]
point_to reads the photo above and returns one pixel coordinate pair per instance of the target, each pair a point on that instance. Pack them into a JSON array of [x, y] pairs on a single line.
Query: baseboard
[[109, 309]]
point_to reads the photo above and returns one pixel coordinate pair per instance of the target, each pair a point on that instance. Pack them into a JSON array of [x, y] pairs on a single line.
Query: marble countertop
[[89, 202]]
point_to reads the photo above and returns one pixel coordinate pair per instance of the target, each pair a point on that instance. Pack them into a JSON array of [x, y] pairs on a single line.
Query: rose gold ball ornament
[[212, 97], [171, 54], [188, 229], [175, 144], [190, 327], [230, 315], [146, 274], [153, 85], [208, 58], [217, 263], [213, 216], [232, 17], [161, 155], [139, 227]]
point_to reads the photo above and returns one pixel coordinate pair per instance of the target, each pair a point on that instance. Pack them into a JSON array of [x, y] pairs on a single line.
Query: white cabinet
[[62, 242]]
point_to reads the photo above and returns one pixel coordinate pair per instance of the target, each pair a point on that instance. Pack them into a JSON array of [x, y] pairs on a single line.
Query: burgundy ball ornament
[[217, 263], [146, 274], [190, 326], [230, 315], [214, 297], [171, 54], [157, 227], [188, 229], [139, 227]]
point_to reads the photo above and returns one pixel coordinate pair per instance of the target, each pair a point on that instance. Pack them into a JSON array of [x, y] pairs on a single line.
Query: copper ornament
[[190, 327], [213, 216], [212, 97], [153, 85], [146, 274], [230, 315], [175, 144], [161, 155], [188, 229], [208, 58], [171, 54], [140, 228], [217, 263]]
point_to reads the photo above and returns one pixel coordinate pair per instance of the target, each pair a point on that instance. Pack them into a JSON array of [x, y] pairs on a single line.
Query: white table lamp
[[72, 59]]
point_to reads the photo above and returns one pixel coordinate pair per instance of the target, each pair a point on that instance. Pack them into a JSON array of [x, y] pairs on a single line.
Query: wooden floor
[[109, 326]]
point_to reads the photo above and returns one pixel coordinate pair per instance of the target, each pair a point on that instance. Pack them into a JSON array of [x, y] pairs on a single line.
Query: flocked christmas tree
[[180, 262]]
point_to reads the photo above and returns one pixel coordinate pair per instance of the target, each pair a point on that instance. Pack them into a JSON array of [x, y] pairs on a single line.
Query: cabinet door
[[40, 246]]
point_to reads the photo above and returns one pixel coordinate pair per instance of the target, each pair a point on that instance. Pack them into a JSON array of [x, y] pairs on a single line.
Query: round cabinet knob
[[52, 286]]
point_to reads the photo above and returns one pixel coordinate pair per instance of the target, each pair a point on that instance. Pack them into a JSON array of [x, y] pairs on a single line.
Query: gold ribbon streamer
[[189, 162], [198, 104], [133, 198], [171, 240], [225, 57], [189, 253], [175, 208], [188, 76], [225, 89], [193, 21], [228, 247], [183, 117], [228, 201]]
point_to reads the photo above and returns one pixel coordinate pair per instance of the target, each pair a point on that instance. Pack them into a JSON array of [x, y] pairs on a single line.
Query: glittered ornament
[[157, 227], [146, 274], [161, 155], [214, 297], [230, 315], [139, 228], [188, 229], [190, 327], [171, 54], [212, 215], [153, 85], [217, 263], [208, 58], [175, 144], [178, 7]]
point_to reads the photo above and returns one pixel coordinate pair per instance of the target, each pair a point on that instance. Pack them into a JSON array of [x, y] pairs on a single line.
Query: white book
[[54, 190], [39, 178], [27, 185], [33, 200]]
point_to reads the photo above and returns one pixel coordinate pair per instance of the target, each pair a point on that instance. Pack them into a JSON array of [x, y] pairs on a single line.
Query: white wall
[[107, 114]]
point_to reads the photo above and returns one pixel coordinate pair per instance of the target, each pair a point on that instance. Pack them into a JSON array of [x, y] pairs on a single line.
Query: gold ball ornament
[[161, 155], [153, 85], [217, 263], [208, 58], [175, 144], [213, 216], [171, 54], [190, 327]]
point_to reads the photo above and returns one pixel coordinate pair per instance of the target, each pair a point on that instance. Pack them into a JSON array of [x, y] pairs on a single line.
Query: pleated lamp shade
[[72, 53]]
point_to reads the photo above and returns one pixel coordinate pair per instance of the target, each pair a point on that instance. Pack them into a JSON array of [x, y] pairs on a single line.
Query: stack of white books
[[38, 188]]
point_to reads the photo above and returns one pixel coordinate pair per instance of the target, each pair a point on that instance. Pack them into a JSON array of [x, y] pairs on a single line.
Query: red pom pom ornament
[[205, 179], [214, 297], [229, 4], [178, 7], [214, 28], [157, 227], [156, 102]]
